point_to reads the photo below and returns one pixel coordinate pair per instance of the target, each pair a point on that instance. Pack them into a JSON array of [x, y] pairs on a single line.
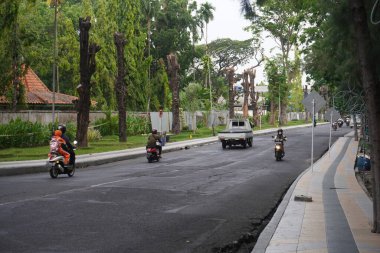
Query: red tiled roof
[[38, 93]]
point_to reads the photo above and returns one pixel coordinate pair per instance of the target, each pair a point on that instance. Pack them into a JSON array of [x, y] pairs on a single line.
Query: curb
[[268, 232]]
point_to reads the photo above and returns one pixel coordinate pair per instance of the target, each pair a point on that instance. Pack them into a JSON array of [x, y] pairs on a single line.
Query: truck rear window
[[237, 123]]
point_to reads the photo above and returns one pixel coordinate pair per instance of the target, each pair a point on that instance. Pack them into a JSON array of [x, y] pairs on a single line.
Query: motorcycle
[[152, 153], [340, 122], [334, 126], [348, 121], [56, 165], [279, 151]]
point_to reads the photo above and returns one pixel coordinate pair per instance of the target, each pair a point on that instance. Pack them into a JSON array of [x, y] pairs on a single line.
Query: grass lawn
[[111, 143]]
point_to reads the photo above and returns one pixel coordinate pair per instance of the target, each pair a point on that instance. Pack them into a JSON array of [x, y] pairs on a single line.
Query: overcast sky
[[228, 22]]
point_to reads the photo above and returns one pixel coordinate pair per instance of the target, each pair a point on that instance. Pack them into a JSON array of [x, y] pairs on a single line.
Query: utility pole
[[54, 61]]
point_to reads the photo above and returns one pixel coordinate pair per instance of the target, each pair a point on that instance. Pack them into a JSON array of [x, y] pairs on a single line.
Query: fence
[[45, 117]]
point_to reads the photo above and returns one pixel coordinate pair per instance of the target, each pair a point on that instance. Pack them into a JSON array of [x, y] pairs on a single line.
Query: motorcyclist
[[280, 137], [68, 147], [152, 139], [61, 143]]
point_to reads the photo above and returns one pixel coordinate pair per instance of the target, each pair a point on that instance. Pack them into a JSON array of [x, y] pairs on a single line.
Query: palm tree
[[149, 8], [195, 24], [245, 6], [206, 14]]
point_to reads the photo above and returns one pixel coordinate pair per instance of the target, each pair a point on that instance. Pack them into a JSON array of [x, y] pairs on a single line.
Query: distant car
[[238, 132]]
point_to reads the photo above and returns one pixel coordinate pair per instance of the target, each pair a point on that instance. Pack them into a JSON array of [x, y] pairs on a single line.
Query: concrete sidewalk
[[35, 166], [337, 220]]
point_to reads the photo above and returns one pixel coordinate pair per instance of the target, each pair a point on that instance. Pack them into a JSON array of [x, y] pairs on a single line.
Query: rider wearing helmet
[[61, 144], [280, 135], [152, 139], [68, 147]]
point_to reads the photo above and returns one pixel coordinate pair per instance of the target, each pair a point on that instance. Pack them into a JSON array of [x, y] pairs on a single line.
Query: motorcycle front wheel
[[277, 156], [71, 171], [53, 172]]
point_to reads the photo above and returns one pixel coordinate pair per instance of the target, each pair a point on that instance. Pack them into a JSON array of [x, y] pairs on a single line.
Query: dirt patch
[[365, 180]]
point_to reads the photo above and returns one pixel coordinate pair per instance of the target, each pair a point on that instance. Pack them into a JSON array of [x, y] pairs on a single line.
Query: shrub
[[108, 125], [18, 133], [135, 125], [71, 130], [138, 124], [93, 135]]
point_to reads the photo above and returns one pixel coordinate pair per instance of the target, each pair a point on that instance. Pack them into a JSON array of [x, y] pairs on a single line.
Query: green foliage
[[191, 97], [136, 124], [11, 54], [276, 80], [296, 91], [18, 133], [108, 125], [71, 130], [159, 91], [173, 32], [238, 52], [93, 134]]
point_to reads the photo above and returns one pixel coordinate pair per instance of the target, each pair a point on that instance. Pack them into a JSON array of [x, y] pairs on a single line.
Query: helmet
[[279, 131], [154, 131], [58, 133], [62, 127]]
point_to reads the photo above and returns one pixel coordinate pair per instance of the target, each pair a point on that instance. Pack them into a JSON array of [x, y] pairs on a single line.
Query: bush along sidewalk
[[18, 133]]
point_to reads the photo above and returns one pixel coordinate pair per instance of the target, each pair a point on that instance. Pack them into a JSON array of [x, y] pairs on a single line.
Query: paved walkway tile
[[339, 217]]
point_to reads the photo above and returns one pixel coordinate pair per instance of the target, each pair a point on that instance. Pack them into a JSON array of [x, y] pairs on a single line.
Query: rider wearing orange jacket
[[66, 155]]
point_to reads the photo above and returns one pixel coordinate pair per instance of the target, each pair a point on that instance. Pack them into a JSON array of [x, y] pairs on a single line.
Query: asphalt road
[[204, 199]]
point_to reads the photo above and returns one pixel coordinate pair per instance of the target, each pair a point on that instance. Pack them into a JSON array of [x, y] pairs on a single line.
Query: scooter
[[348, 121], [279, 151], [57, 167], [152, 153], [340, 122]]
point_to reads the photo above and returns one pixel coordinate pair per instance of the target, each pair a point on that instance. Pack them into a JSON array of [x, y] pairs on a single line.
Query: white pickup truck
[[238, 132]]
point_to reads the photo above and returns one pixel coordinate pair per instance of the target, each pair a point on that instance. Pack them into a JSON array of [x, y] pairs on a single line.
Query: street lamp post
[[279, 104], [54, 61]]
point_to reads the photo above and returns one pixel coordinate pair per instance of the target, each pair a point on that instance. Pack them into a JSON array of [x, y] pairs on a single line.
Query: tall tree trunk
[[120, 85], [16, 66], [371, 87], [272, 112], [284, 107], [87, 69], [246, 93], [254, 96], [231, 94], [173, 68], [305, 93]]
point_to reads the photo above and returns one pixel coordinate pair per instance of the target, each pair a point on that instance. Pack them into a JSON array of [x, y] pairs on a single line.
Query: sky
[[228, 22]]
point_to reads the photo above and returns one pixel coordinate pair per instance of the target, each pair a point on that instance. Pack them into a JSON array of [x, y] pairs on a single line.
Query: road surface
[[203, 199]]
